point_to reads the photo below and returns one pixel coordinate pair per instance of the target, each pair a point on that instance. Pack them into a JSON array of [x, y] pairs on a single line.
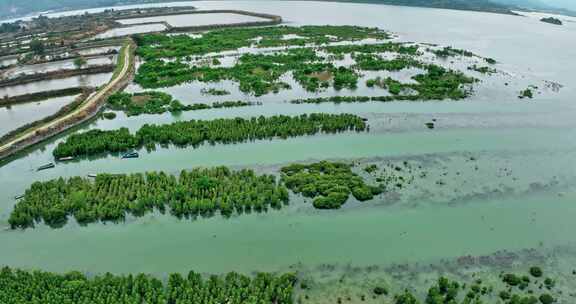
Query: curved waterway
[[507, 167]]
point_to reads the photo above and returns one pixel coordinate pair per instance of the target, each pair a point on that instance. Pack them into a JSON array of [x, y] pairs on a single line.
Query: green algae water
[[500, 172]]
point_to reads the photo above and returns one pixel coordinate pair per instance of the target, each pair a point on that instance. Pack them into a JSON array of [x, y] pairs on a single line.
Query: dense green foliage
[[109, 115], [156, 46], [388, 47], [197, 132], [260, 73], [256, 73], [437, 84], [370, 62], [19, 287], [328, 183], [140, 103], [152, 102], [200, 192]]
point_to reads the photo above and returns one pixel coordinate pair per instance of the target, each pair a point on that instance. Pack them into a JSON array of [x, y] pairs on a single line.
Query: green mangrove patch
[[153, 102], [329, 184], [197, 132], [109, 198], [20, 286]]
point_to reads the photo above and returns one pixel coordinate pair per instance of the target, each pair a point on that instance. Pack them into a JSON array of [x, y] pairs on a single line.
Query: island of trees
[[552, 20], [328, 183], [109, 198], [197, 132]]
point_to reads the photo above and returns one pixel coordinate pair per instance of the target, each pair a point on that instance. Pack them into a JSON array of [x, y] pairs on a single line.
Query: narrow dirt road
[[94, 99]]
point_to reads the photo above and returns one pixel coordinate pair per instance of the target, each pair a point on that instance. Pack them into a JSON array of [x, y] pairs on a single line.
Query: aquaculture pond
[[20, 114], [187, 20], [93, 80], [99, 50], [129, 30], [488, 181], [56, 66]]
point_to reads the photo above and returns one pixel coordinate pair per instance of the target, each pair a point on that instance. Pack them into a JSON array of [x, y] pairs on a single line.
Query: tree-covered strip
[[388, 47], [109, 198], [153, 102], [197, 132], [371, 62], [20, 286], [328, 183], [156, 46]]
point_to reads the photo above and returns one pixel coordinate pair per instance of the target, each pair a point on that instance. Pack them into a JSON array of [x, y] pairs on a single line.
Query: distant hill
[[469, 5]]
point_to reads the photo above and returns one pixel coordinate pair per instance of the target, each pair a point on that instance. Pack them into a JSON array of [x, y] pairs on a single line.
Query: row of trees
[[197, 132], [36, 287], [152, 102], [199, 192], [328, 183]]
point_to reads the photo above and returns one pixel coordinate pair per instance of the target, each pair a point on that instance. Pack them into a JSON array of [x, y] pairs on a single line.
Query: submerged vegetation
[[451, 52], [197, 132], [109, 198], [19, 286], [483, 69], [214, 92], [528, 92], [328, 183]]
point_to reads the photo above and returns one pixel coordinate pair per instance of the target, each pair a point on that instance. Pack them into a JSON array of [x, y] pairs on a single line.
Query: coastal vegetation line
[[197, 132], [152, 102], [21, 286]]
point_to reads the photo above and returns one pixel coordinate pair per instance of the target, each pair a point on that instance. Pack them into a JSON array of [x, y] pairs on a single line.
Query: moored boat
[[46, 166], [130, 155], [67, 158]]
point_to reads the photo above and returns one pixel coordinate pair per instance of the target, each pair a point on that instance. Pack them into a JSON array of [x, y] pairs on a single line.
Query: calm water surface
[[195, 19], [21, 114], [519, 194]]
